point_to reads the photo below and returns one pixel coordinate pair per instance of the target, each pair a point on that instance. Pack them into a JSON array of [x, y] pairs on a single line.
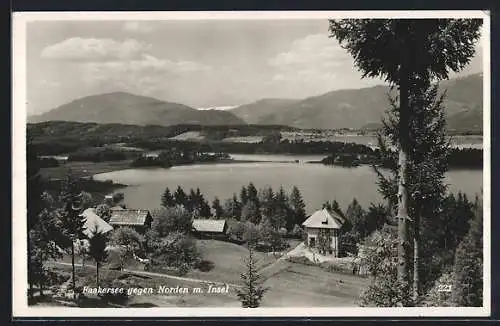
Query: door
[[312, 242]]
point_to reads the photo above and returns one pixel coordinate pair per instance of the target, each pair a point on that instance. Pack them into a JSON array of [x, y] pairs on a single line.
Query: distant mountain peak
[[127, 108]]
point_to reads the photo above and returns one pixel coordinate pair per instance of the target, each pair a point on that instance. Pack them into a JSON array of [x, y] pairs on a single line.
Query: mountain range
[[351, 108], [126, 108], [364, 108]]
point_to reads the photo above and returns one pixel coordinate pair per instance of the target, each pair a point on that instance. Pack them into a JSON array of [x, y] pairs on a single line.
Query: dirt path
[[152, 274]]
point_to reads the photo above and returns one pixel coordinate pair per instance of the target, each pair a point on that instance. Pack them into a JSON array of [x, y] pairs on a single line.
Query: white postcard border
[[19, 202]]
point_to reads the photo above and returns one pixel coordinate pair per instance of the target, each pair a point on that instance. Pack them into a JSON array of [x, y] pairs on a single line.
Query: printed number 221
[[444, 287]]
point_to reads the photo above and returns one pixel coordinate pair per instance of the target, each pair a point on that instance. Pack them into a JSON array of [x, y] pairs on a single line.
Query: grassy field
[[227, 259], [87, 276], [290, 284], [84, 169], [297, 285]]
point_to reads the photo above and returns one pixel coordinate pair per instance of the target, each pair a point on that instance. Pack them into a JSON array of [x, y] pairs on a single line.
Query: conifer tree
[[97, 250], [167, 199], [71, 222], [467, 287], [218, 210], [180, 196], [406, 52], [252, 292], [298, 207]]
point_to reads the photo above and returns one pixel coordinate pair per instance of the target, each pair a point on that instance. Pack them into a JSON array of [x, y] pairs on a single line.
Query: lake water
[[317, 183]]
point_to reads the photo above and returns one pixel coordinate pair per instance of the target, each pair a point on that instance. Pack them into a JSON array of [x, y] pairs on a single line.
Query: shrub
[[301, 260]]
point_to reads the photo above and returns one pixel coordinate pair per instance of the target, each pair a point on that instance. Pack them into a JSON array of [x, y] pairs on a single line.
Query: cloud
[[315, 64], [94, 49], [147, 75], [137, 27]]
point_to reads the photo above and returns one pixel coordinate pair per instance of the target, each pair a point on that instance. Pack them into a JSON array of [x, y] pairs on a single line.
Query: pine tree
[[43, 236], [252, 192], [34, 192], [232, 208], [252, 292], [267, 202], [218, 210], [243, 195], [250, 212], [407, 52], [298, 207], [71, 222], [180, 197], [167, 199], [356, 216], [427, 164], [97, 250], [467, 287]]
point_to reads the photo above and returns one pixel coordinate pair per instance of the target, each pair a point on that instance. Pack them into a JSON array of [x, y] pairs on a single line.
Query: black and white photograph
[[251, 163]]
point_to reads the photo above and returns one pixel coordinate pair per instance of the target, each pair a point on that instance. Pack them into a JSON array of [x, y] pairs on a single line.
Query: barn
[[138, 219], [204, 228]]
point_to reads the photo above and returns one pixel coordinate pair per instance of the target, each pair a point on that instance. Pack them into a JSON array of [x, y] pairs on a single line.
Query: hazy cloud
[[137, 27], [318, 63], [94, 49]]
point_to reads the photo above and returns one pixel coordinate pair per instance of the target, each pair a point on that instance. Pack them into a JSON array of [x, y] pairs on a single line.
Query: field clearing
[[189, 135], [204, 299], [297, 285], [84, 169], [244, 139], [228, 261]]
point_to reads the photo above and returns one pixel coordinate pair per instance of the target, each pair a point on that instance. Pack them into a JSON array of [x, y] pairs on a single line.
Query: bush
[[118, 298], [205, 265], [178, 251], [172, 219], [301, 260]]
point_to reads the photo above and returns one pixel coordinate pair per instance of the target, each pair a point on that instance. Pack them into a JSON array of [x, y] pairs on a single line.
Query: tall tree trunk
[[404, 113], [416, 257], [40, 281], [97, 273], [73, 266]]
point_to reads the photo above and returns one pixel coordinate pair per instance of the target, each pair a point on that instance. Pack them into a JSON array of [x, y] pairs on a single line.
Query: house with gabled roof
[[94, 222], [326, 223], [209, 228], [138, 219]]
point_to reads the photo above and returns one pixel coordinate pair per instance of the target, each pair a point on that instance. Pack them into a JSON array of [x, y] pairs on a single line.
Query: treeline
[[470, 158], [57, 137], [252, 214], [96, 154], [175, 157]]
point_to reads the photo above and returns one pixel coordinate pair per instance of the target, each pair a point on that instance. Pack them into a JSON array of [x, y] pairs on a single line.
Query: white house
[[326, 222], [94, 222]]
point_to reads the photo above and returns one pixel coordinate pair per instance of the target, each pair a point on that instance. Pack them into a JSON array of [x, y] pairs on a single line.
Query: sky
[[199, 63]]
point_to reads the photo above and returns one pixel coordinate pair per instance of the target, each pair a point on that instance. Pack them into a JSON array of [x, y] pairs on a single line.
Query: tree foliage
[[97, 249], [252, 292], [172, 219], [409, 53], [467, 286]]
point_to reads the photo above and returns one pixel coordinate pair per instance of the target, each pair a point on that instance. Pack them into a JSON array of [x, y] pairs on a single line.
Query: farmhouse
[[209, 228], [327, 223], [138, 219], [93, 222]]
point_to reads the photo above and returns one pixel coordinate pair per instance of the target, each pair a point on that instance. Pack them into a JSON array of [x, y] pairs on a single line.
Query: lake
[[317, 183]]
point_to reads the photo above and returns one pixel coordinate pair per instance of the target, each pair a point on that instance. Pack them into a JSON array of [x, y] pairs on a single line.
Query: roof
[[92, 221], [129, 217], [324, 219], [209, 225]]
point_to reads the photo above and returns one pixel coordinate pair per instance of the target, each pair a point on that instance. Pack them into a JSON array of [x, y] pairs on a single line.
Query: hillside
[[357, 108], [125, 108], [253, 112]]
